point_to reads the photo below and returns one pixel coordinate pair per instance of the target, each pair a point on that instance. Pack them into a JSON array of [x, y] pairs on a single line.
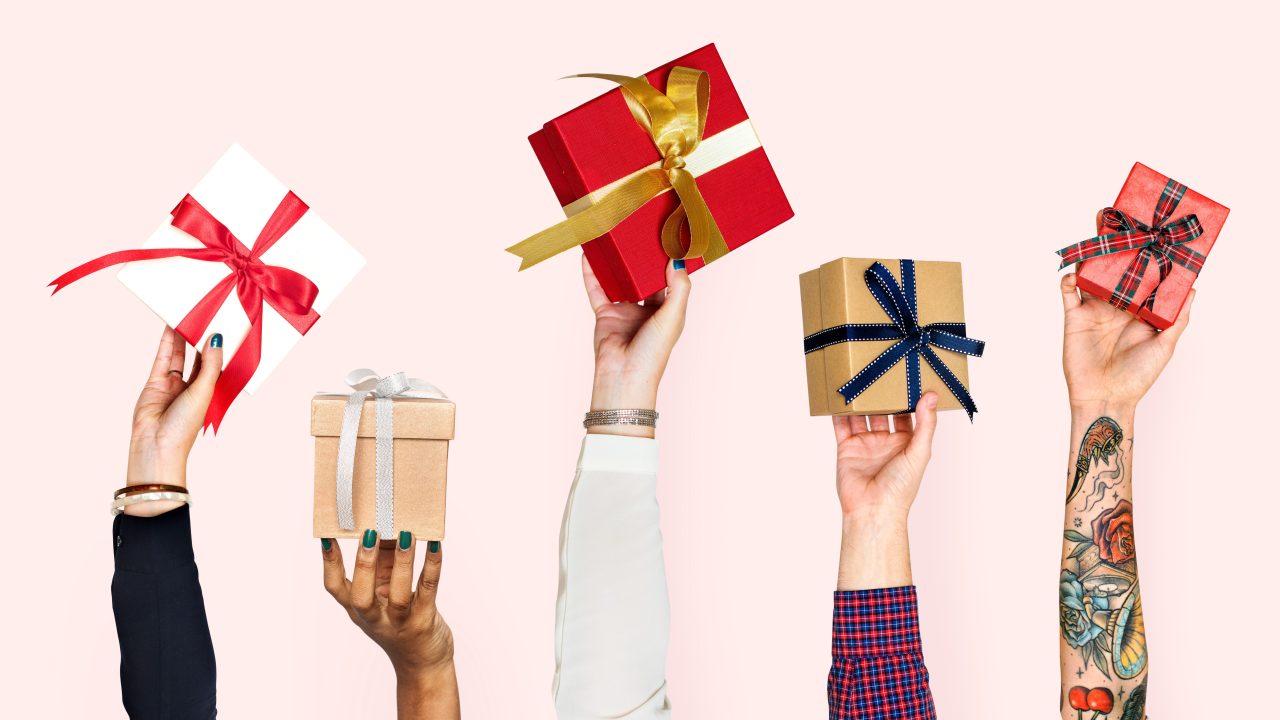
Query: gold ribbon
[[675, 121]]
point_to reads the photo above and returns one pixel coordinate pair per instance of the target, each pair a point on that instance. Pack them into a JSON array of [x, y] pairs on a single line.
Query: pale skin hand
[[878, 473], [633, 342], [168, 417], [1110, 360], [380, 598]]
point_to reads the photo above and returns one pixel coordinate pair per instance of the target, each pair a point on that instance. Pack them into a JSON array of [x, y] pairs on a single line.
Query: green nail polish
[[370, 538], [216, 340], [406, 537], [433, 546], [326, 544]]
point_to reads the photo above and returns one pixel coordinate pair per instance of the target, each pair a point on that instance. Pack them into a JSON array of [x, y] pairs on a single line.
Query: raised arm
[[612, 616], [167, 668], [877, 663], [1110, 360]]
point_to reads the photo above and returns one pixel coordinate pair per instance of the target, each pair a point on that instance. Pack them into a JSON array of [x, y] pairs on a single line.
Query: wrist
[[1092, 409], [613, 393]]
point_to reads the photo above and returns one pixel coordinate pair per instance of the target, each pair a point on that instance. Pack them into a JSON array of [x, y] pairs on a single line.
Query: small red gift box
[[1139, 198], [599, 143]]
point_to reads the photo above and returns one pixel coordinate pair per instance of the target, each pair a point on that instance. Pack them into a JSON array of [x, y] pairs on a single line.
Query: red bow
[[290, 293]]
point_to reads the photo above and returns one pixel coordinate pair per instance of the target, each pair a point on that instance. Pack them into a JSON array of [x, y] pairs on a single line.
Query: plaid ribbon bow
[[1164, 240], [914, 340]]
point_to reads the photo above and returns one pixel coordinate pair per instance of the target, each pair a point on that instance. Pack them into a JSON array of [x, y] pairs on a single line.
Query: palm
[[873, 469], [624, 337], [1108, 354]]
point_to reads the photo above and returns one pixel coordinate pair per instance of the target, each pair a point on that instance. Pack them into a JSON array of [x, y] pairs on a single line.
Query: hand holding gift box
[[186, 272], [1117, 265], [869, 323], [382, 452], [637, 170]]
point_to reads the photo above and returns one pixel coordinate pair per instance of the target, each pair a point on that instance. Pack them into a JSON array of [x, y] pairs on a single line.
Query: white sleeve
[[612, 615]]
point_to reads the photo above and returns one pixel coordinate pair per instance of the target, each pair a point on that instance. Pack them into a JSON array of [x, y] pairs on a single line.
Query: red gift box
[[600, 142], [1099, 276]]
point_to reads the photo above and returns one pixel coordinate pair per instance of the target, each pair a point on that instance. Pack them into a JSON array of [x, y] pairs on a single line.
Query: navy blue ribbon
[[914, 341]]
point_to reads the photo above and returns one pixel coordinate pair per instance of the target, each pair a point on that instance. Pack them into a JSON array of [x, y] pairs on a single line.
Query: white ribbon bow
[[365, 382]]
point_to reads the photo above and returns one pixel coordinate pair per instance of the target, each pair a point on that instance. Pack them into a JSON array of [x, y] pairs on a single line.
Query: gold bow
[[676, 122]]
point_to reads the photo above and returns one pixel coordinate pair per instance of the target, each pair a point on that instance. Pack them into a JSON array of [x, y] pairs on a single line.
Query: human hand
[[168, 416], [381, 600], [633, 342], [878, 472], [1111, 358]]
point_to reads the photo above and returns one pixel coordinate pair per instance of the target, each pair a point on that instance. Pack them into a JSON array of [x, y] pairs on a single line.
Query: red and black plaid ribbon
[[1164, 241]]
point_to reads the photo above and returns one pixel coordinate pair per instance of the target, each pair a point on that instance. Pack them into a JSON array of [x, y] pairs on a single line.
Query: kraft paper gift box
[[1151, 199], [239, 243], [838, 305], [422, 429], [599, 143]]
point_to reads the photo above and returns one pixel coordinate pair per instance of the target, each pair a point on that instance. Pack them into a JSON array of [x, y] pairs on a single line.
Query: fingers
[[400, 596], [429, 582], [335, 574], [878, 423], [920, 449], [364, 578], [1070, 294], [595, 293], [201, 387], [1097, 222], [847, 426], [172, 349], [671, 312], [1170, 336]]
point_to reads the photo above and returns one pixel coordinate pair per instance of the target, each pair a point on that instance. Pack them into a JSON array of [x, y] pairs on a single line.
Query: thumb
[[920, 449], [1070, 294], [200, 389], [671, 312], [1170, 335]]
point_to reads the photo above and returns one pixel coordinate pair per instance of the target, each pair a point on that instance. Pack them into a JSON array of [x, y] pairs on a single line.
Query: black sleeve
[[166, 655]]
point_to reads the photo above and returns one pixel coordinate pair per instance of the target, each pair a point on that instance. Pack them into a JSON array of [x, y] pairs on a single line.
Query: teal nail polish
[[370, 538], [433, 546], [216, 340], [406, 537], [677, 264], [326, 544]]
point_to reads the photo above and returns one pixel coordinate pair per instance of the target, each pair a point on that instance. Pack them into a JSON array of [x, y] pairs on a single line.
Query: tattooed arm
[[1110, 359]]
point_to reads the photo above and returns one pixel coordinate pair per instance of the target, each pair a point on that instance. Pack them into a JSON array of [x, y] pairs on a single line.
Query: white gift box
[[242, 195]]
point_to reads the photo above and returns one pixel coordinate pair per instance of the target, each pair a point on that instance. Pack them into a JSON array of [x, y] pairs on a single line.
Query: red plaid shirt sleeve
[[877, 664]]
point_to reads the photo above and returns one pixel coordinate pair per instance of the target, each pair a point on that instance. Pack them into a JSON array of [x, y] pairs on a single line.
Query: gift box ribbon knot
[[290, 293], [675, 121], [366, 383], [913, 340], [1164, 240]]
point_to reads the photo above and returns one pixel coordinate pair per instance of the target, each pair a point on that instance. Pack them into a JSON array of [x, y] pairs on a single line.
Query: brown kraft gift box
[[836, 294], [423, 428]]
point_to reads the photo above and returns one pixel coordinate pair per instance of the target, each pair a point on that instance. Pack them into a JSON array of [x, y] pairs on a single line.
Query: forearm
[[1102, 639], [429, 695], [874, 553]]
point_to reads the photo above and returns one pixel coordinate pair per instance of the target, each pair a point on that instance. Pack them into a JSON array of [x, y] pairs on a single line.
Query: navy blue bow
[[914, 341]]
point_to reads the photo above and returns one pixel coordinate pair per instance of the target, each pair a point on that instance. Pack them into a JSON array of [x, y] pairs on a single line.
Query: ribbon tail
[[952, 382], [126, 256], [235, 376], [874, 370], [705, 239], [592, 222]]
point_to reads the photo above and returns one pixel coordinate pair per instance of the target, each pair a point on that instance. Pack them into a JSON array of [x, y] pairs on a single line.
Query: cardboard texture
[[599, 142], [836, 294], [423, 428], [1098, 276]]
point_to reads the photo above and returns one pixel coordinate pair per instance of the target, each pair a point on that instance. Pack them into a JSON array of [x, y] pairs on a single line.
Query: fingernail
[[433, 546], [370, 538], [326, 544], [216, 340], [406, 537], [677, 264]]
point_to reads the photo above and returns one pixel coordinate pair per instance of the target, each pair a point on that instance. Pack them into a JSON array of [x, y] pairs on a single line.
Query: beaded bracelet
[[648, 418]]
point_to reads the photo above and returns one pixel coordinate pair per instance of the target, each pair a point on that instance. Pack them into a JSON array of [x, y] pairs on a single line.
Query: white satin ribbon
[[365, 383]]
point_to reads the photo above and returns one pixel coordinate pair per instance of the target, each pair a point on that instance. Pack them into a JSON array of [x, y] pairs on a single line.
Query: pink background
[[989, 135]]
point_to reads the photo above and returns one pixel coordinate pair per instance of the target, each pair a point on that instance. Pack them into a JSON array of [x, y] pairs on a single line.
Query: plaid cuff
[[883, 621]]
